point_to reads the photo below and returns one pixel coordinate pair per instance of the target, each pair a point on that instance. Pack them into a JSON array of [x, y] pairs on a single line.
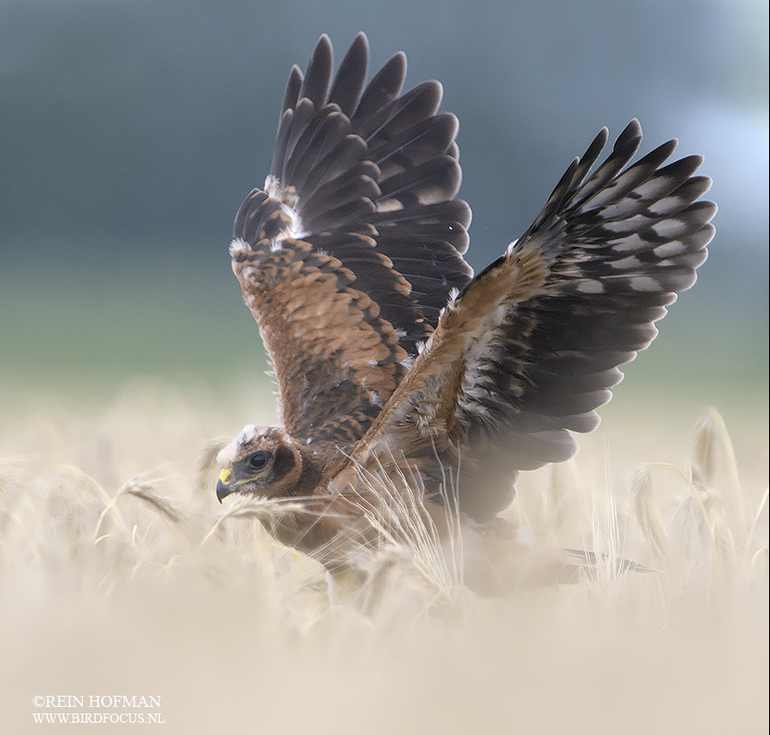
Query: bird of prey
[[407, 382]]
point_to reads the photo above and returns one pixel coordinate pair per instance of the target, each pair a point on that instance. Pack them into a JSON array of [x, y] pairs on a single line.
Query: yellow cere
[[224, 476]]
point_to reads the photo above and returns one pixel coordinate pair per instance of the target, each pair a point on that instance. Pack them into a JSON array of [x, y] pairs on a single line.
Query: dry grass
[[116, 579]]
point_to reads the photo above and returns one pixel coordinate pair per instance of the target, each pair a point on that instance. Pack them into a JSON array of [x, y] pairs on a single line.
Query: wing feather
[[400, 115], [383, 89], [531, 347], [358, 203], [336, 360], [315, 86], [291, 95], [348, 85]]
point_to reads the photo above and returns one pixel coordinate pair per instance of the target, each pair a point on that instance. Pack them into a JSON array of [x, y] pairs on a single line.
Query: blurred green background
[[131, 130]]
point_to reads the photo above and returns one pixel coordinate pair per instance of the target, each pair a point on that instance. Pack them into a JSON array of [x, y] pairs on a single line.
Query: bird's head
[[260, 461]]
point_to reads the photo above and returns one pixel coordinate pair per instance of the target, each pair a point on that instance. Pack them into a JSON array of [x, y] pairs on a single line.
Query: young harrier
[[400, 372]]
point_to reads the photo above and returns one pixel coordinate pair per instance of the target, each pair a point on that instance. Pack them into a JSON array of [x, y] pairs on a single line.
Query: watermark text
[[91, 709]]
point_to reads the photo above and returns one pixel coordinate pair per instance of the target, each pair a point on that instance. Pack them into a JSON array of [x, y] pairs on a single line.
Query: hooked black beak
[[223, 488]]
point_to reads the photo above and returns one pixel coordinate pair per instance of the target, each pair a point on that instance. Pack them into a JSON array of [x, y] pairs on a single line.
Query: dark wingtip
[[360, 38], [318, 73]]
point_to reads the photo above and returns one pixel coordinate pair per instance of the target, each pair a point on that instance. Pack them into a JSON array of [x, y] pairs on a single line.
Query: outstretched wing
[[531, 347], [349, 254]]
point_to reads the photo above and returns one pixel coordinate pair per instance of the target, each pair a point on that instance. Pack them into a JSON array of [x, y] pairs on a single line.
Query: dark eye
[[259, 460]]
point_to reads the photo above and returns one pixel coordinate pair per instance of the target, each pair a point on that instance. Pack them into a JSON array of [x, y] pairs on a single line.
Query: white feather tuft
[[247, 434], [239, 244]]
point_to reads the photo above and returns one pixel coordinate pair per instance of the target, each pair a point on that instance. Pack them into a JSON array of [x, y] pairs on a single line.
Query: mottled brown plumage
[[400, 374]]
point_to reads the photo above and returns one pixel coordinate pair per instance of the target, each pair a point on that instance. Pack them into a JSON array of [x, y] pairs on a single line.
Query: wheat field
[[122, 579]]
